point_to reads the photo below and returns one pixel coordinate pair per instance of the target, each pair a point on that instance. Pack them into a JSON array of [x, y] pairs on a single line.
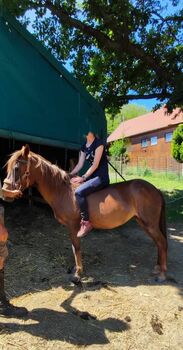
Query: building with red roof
[[150, 138]]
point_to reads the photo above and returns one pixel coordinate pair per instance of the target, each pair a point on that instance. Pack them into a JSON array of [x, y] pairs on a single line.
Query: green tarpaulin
[[40, 101]]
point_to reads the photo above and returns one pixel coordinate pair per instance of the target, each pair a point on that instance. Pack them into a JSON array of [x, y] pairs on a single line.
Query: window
[[144, 143], [168, 136], [154, 140]]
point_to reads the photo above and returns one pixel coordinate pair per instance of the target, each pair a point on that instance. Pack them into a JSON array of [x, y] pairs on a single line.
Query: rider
[[94, 179], [6, 308]]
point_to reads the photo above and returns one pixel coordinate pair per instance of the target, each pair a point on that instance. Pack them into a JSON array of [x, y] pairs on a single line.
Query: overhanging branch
[[121, 99], [104, 42]]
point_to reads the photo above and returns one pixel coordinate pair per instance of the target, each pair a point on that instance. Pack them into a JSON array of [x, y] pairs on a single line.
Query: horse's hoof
[[160, 279], [156, 270], [71, 270], [76, 280]]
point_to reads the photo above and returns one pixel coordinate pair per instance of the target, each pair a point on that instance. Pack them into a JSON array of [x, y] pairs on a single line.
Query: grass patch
[[169, 183], [174, 205]]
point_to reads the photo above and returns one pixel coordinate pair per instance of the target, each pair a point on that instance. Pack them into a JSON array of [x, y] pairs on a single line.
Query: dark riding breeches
[[84, 190]]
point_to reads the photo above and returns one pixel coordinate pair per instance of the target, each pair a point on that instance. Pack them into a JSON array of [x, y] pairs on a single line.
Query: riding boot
[[85, 228], [7, 309]]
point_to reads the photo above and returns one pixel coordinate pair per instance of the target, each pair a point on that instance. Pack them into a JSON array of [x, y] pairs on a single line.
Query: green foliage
[[147, 172], [117, 148], [132, 111], [114, 47], [126, 112], [177, 144]]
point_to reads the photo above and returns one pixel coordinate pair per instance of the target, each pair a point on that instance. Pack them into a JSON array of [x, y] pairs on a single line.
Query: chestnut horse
[[108, 208]]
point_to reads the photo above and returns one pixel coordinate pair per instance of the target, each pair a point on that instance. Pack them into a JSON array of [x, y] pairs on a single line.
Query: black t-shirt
[[102, 170]]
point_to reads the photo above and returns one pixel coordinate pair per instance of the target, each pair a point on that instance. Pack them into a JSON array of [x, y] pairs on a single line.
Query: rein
[[112, 166]]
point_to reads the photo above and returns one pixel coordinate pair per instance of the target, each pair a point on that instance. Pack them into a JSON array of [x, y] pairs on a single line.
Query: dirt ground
[[120, 306]]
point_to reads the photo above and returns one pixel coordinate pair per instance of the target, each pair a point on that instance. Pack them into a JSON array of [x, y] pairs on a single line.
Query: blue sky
[[149, 104]]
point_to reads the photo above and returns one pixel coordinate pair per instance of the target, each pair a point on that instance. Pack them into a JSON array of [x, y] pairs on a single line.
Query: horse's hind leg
[[161, 243], [160, 240]]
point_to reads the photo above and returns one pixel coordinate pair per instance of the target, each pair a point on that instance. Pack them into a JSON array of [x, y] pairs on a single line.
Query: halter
[[25, 176]]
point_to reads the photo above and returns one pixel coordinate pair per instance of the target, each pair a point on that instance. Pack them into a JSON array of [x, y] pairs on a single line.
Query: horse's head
[[18, 170]]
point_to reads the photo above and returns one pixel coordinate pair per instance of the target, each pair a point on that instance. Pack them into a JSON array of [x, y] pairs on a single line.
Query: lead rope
[[116, 170]]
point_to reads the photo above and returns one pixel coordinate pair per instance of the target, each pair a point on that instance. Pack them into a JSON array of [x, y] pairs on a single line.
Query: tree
[[177, 144], [120, 50], [119, 148], [126, 112]]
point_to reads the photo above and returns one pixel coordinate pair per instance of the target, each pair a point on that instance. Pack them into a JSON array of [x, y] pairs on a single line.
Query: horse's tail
[[162, 221]]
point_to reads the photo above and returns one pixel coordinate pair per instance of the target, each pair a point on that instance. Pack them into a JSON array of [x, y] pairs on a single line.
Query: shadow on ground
[[40, 254], [68, 327], [40, 251]]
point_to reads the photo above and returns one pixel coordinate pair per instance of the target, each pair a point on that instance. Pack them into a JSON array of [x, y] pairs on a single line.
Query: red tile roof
[[146, 123]]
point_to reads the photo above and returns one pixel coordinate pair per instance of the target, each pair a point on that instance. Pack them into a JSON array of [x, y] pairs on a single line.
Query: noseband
[[25, 176]]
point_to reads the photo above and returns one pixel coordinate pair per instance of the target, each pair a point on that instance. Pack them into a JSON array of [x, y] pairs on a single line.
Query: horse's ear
[[25, 151]]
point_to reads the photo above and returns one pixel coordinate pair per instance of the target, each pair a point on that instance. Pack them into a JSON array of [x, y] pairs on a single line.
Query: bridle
[[26, 176]]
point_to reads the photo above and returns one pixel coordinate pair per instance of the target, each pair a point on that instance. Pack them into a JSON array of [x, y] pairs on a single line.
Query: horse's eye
[[16, 168], [16, 171]]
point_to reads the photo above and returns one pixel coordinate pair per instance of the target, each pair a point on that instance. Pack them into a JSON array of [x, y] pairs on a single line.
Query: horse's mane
[[54, 174], [12, 160]]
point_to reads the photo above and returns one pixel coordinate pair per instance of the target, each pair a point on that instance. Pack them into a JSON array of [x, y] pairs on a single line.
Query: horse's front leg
[[76, 248]]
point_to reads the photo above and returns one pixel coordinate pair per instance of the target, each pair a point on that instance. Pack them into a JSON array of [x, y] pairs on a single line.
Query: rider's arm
[[97, 158], [80, 164]]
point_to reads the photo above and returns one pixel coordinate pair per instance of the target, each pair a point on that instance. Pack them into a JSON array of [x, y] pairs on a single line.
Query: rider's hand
[[77, 180], [71, 176], [16, 193]]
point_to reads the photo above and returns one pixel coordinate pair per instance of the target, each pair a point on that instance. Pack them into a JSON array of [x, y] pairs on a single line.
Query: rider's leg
[[81, 193]]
